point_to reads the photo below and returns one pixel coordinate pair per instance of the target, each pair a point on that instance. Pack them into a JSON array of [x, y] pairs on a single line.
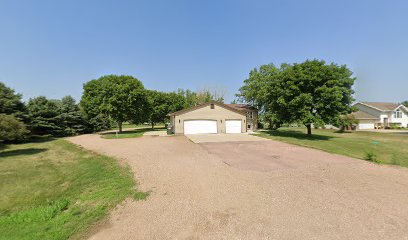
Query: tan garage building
[[212, 117]]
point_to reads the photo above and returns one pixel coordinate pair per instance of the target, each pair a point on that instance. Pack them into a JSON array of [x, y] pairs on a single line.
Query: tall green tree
[[43, 116], [255, 92], [162, 104], [122, 98], [10, 102], [311, 92], [159, 107], [70, 119], [405, 103]]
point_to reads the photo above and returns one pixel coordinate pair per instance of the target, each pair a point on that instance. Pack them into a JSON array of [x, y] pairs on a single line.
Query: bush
[[371, 156], [12, 129]]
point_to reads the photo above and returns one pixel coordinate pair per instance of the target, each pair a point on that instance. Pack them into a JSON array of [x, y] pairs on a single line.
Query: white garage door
[[200, 126], [363, 126], [233, 126]]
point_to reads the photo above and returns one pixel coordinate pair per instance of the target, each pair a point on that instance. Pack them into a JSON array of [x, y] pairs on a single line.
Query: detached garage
[[209, 118]]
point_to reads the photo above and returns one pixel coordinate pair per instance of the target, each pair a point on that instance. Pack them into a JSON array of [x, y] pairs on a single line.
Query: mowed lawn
[[388, 148], [55, 190], [131, 133]]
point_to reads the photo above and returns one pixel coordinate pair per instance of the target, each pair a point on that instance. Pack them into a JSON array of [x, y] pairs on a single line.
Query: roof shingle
[[385, 106]]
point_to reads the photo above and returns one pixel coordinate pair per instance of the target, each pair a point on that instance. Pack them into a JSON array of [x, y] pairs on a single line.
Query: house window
[[212, 105], [250, 115], [398, 114]]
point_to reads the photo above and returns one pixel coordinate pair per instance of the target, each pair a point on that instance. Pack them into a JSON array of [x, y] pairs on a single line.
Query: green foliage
[[10, 102], [58, 190], [311, 92], [162, 104], [405, 103], [122, 98], [371, 156], [346, 122], [43, 114], [70, 118], [11, 129], [255, 89], [203, 96]]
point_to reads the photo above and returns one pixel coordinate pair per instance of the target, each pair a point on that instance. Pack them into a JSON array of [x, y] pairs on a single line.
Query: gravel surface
[[256, 190]]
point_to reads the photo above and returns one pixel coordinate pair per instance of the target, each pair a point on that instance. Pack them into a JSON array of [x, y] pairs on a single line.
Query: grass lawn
[[52, 189], [388, 148], [132, 133]]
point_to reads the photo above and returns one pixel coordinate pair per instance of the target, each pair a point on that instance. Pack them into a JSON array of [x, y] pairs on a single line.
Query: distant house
[[214, 117], [372, 115]]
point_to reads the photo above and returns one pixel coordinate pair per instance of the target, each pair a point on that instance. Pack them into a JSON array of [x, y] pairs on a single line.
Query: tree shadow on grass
[[298, 135], [19, 152]]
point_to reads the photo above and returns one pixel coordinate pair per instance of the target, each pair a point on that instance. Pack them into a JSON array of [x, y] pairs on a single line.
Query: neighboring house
[[372, 115], [214, 117]]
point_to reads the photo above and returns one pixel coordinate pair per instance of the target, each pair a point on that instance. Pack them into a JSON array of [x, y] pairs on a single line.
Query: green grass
[[52, 189], [388, 148], [130, 125], [134, 133]]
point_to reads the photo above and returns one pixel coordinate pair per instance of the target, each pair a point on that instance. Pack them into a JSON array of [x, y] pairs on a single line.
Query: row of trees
[[39, 116], [106, 101], [310, 93], [124, 99]]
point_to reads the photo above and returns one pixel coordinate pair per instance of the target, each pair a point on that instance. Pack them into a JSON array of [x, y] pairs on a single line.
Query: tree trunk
[[120, 126], [152, 125], [309, 129]]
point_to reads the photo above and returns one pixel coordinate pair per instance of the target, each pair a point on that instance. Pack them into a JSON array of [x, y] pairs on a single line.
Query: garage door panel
[[362, 126], [233, 126], [200, 126]]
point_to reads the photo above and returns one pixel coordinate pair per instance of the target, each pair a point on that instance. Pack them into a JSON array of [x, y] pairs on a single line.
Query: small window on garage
[[212, 105]]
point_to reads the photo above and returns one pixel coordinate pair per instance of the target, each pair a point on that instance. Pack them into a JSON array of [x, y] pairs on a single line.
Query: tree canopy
[[43, 114], [122, 98], [10, 102], [311, 92], [162, 104]]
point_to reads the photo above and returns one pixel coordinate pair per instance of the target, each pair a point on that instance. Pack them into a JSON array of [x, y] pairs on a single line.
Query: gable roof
[[363, 115], [242, 107], [382, 106], [207, 104]]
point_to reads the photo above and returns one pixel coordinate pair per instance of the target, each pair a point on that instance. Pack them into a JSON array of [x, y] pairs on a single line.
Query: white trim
[[401, 105]]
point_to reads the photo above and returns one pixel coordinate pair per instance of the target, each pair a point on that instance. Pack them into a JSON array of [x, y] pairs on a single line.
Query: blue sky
[[52, 47]]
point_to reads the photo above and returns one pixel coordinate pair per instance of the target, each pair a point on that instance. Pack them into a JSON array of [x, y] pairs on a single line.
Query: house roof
[[242, 107], [207, 104], [383, 106], [363, 115]]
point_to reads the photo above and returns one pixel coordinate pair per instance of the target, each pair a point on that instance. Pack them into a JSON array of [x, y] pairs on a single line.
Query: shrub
[[12, 129], [371, 156]]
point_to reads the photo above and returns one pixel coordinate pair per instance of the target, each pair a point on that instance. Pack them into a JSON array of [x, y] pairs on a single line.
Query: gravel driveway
[[256, 190]]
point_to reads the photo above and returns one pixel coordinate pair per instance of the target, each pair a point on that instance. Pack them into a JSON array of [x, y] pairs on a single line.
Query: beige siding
[[219, 114]]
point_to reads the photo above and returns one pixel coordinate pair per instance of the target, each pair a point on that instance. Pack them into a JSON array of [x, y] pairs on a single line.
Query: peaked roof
[[204, 105], [383, 106], [241, 107], [363, 115]]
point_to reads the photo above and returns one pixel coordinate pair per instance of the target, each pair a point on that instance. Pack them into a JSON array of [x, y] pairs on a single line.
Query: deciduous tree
[[122, 98]]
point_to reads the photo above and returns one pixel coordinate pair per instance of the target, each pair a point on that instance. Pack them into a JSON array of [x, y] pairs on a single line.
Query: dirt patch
[[267, 190]]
